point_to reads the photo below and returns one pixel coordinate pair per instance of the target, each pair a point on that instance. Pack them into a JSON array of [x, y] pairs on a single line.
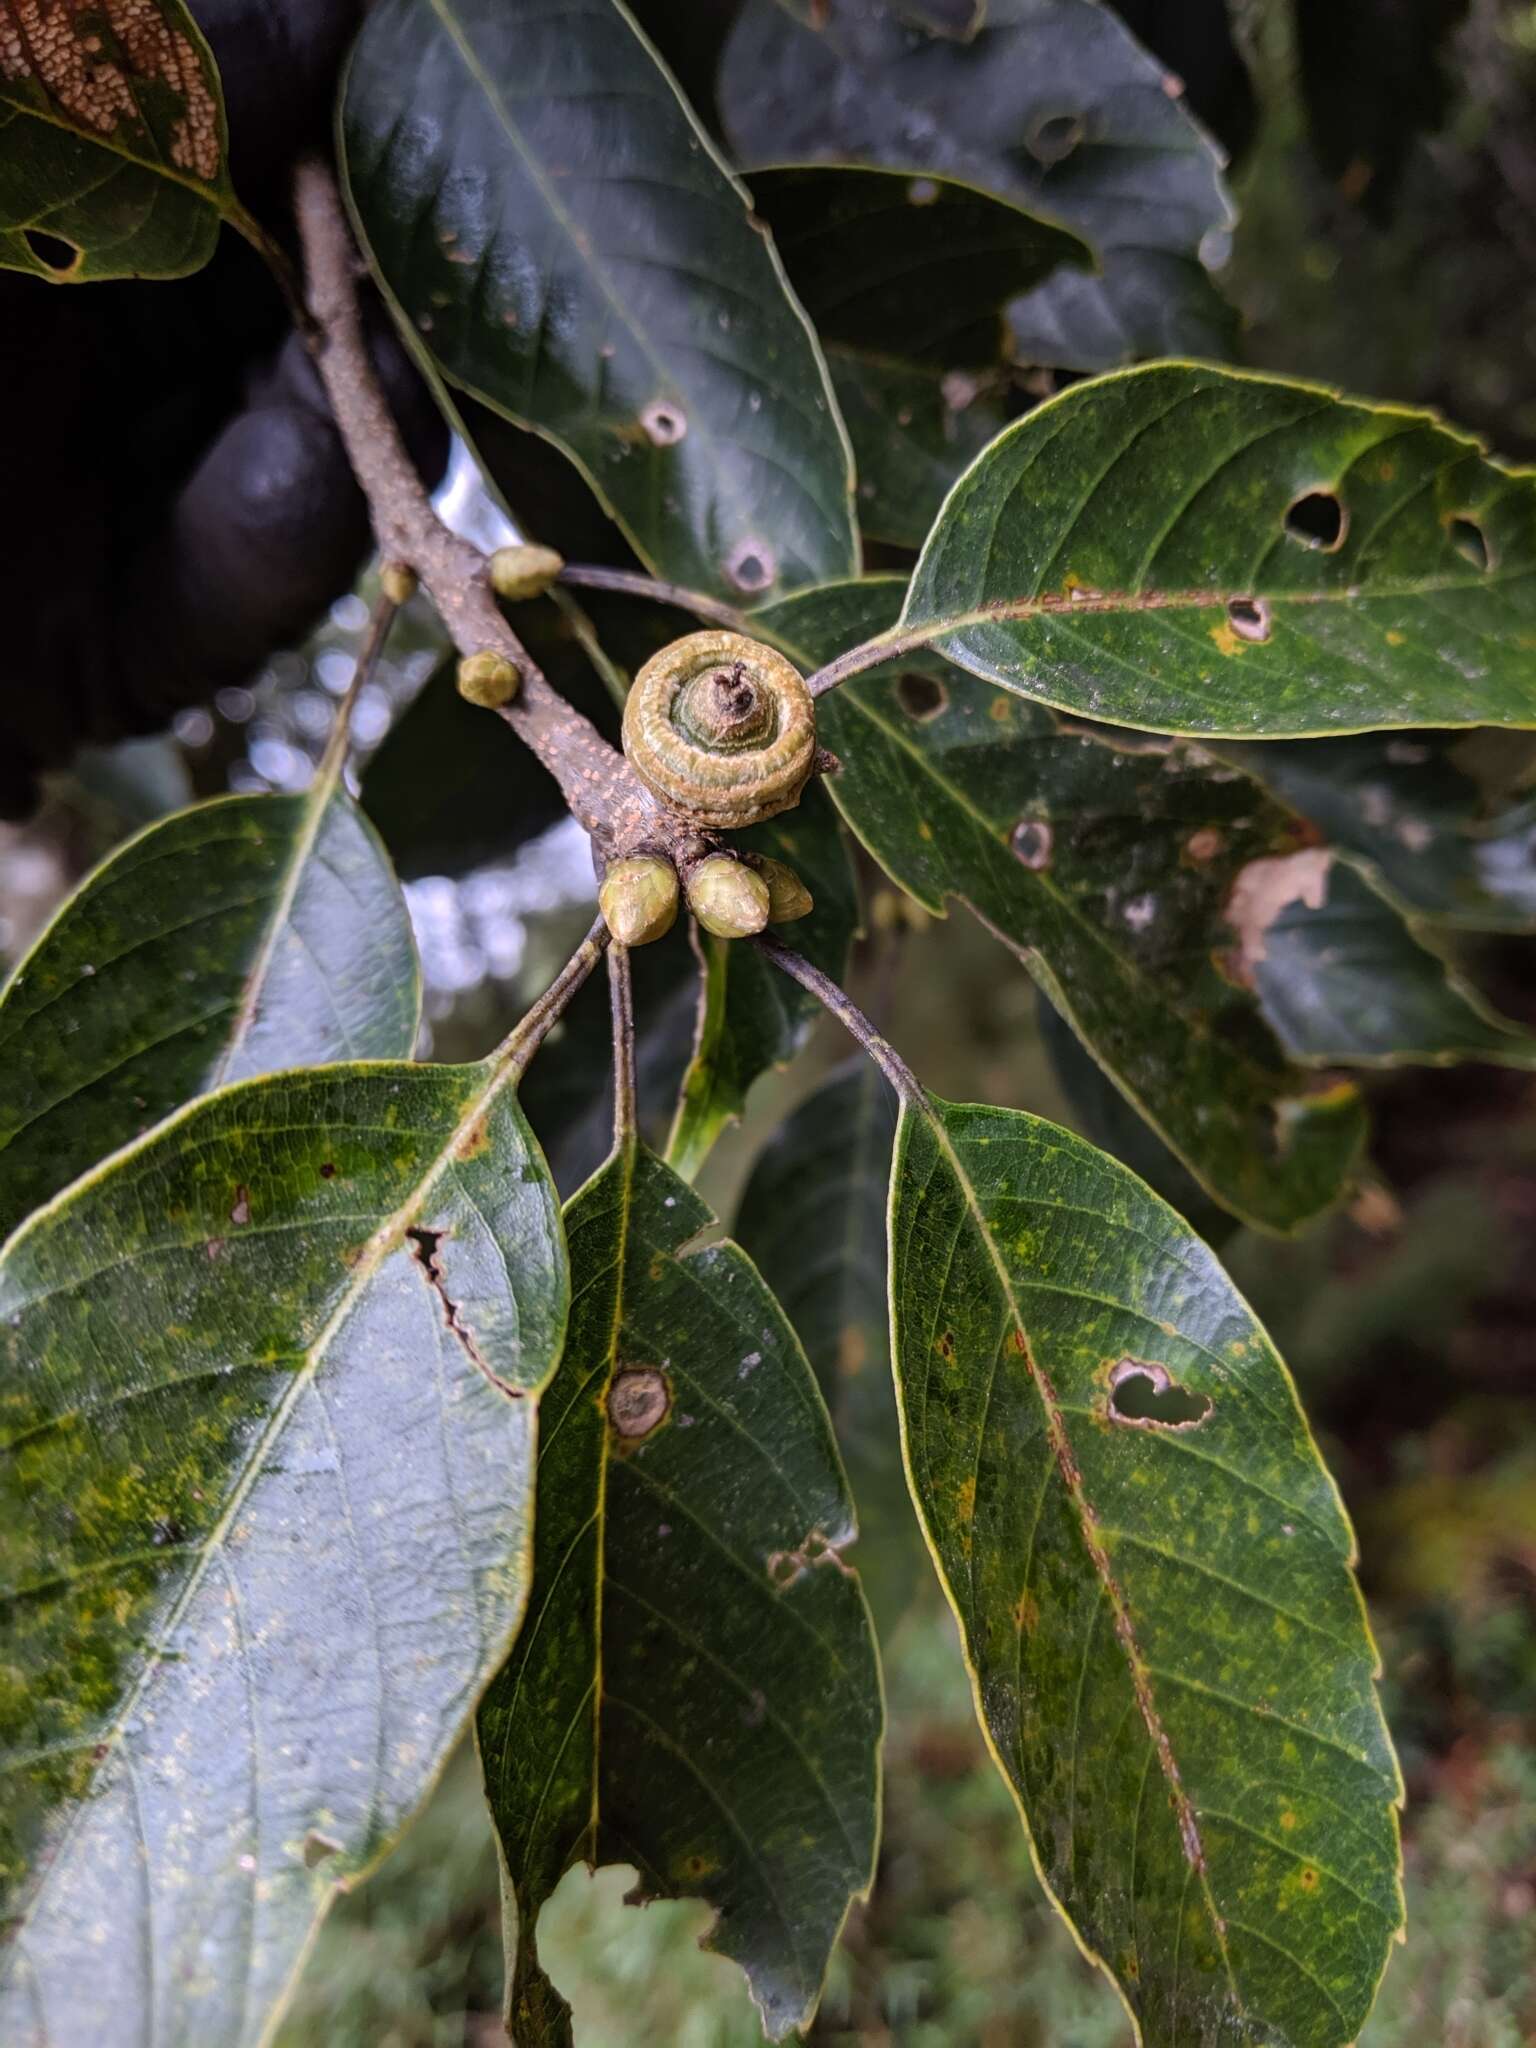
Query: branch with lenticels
[[599, 786]]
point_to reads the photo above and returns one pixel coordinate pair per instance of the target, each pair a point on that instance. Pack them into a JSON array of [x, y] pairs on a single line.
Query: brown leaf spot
[[921, 697], [638, 1402], [751, 565], [214, 1246], [1204, 845], [1250, 618], [665, 424], [241, 1212], [1032, 842], [1026, 1613], [1265, 887]]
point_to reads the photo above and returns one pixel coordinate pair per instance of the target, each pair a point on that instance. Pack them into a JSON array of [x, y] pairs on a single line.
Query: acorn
[[488, 679], [638, 899], [727, 898], [524, 571], [788, 897]]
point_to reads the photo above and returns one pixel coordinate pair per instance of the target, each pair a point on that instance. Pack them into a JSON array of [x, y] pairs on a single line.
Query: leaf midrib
[[1072, 1485]]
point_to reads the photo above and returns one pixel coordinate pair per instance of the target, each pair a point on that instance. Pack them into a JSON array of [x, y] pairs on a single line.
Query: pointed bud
[[788, 897], [488, 679], [638, 899], [727, 898], [523, 571], [397, 580]]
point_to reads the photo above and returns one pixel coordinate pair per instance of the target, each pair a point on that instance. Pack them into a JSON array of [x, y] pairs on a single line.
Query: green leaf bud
[[727, 898], [638, 899]]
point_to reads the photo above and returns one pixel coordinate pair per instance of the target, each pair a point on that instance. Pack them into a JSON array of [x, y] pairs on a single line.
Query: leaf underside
[[1169, 1652], [1187, 549], [695, 1689], [266, 1394], [244, 935]]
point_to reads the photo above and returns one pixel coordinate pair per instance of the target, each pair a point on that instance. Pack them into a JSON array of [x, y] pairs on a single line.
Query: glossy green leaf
[[913, 267], [1151, 1569], [812, 1215], [913, 431], [751, 1017], [112, 141], [559, 233], [1107, 871], [1409, 807], [246, 934], [1052, 104], [1189, 549], [266, 1393], [695, 1690]]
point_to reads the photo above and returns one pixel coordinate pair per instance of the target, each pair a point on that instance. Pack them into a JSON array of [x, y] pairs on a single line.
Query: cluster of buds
[[732, 896]]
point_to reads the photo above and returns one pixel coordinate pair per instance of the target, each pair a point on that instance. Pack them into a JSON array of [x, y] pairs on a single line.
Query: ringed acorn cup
[[721, 728]]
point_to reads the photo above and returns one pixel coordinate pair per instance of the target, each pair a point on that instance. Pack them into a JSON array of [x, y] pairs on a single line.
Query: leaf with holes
[[267, 1385], [919, 268], [913, 431], [112, 142], [246, 934], [1196, 550], [1108, 872], [1411, 807], [752, 1018], [1052, 104], [813, 1217], [561, 237], [695, 1690], [1151, 1569]]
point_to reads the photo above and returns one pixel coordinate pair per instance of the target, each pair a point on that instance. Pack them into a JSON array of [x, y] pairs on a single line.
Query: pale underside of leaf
[[244, 935], [281, 1358]]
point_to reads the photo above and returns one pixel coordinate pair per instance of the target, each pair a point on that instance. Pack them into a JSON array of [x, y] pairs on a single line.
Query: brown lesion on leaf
[[93, 60], [1026, 1613], [786, 1567], [1260, 892], [639, 1401], [425, 1247]]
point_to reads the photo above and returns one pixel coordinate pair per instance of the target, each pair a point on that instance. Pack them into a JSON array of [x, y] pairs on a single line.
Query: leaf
[[560, 234], [1052, 104], [1169, 1652], [695, 1690], [913, 267], [751, 1018], [812, 1215], [1343, 979], [1197, 550], [913, 431], [1107, 872], [113, 148], [1411, 810], [266, 1387], [243, 935]]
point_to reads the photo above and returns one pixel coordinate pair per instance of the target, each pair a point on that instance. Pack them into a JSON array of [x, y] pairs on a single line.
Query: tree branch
[[598, 784], [847, 1013]]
